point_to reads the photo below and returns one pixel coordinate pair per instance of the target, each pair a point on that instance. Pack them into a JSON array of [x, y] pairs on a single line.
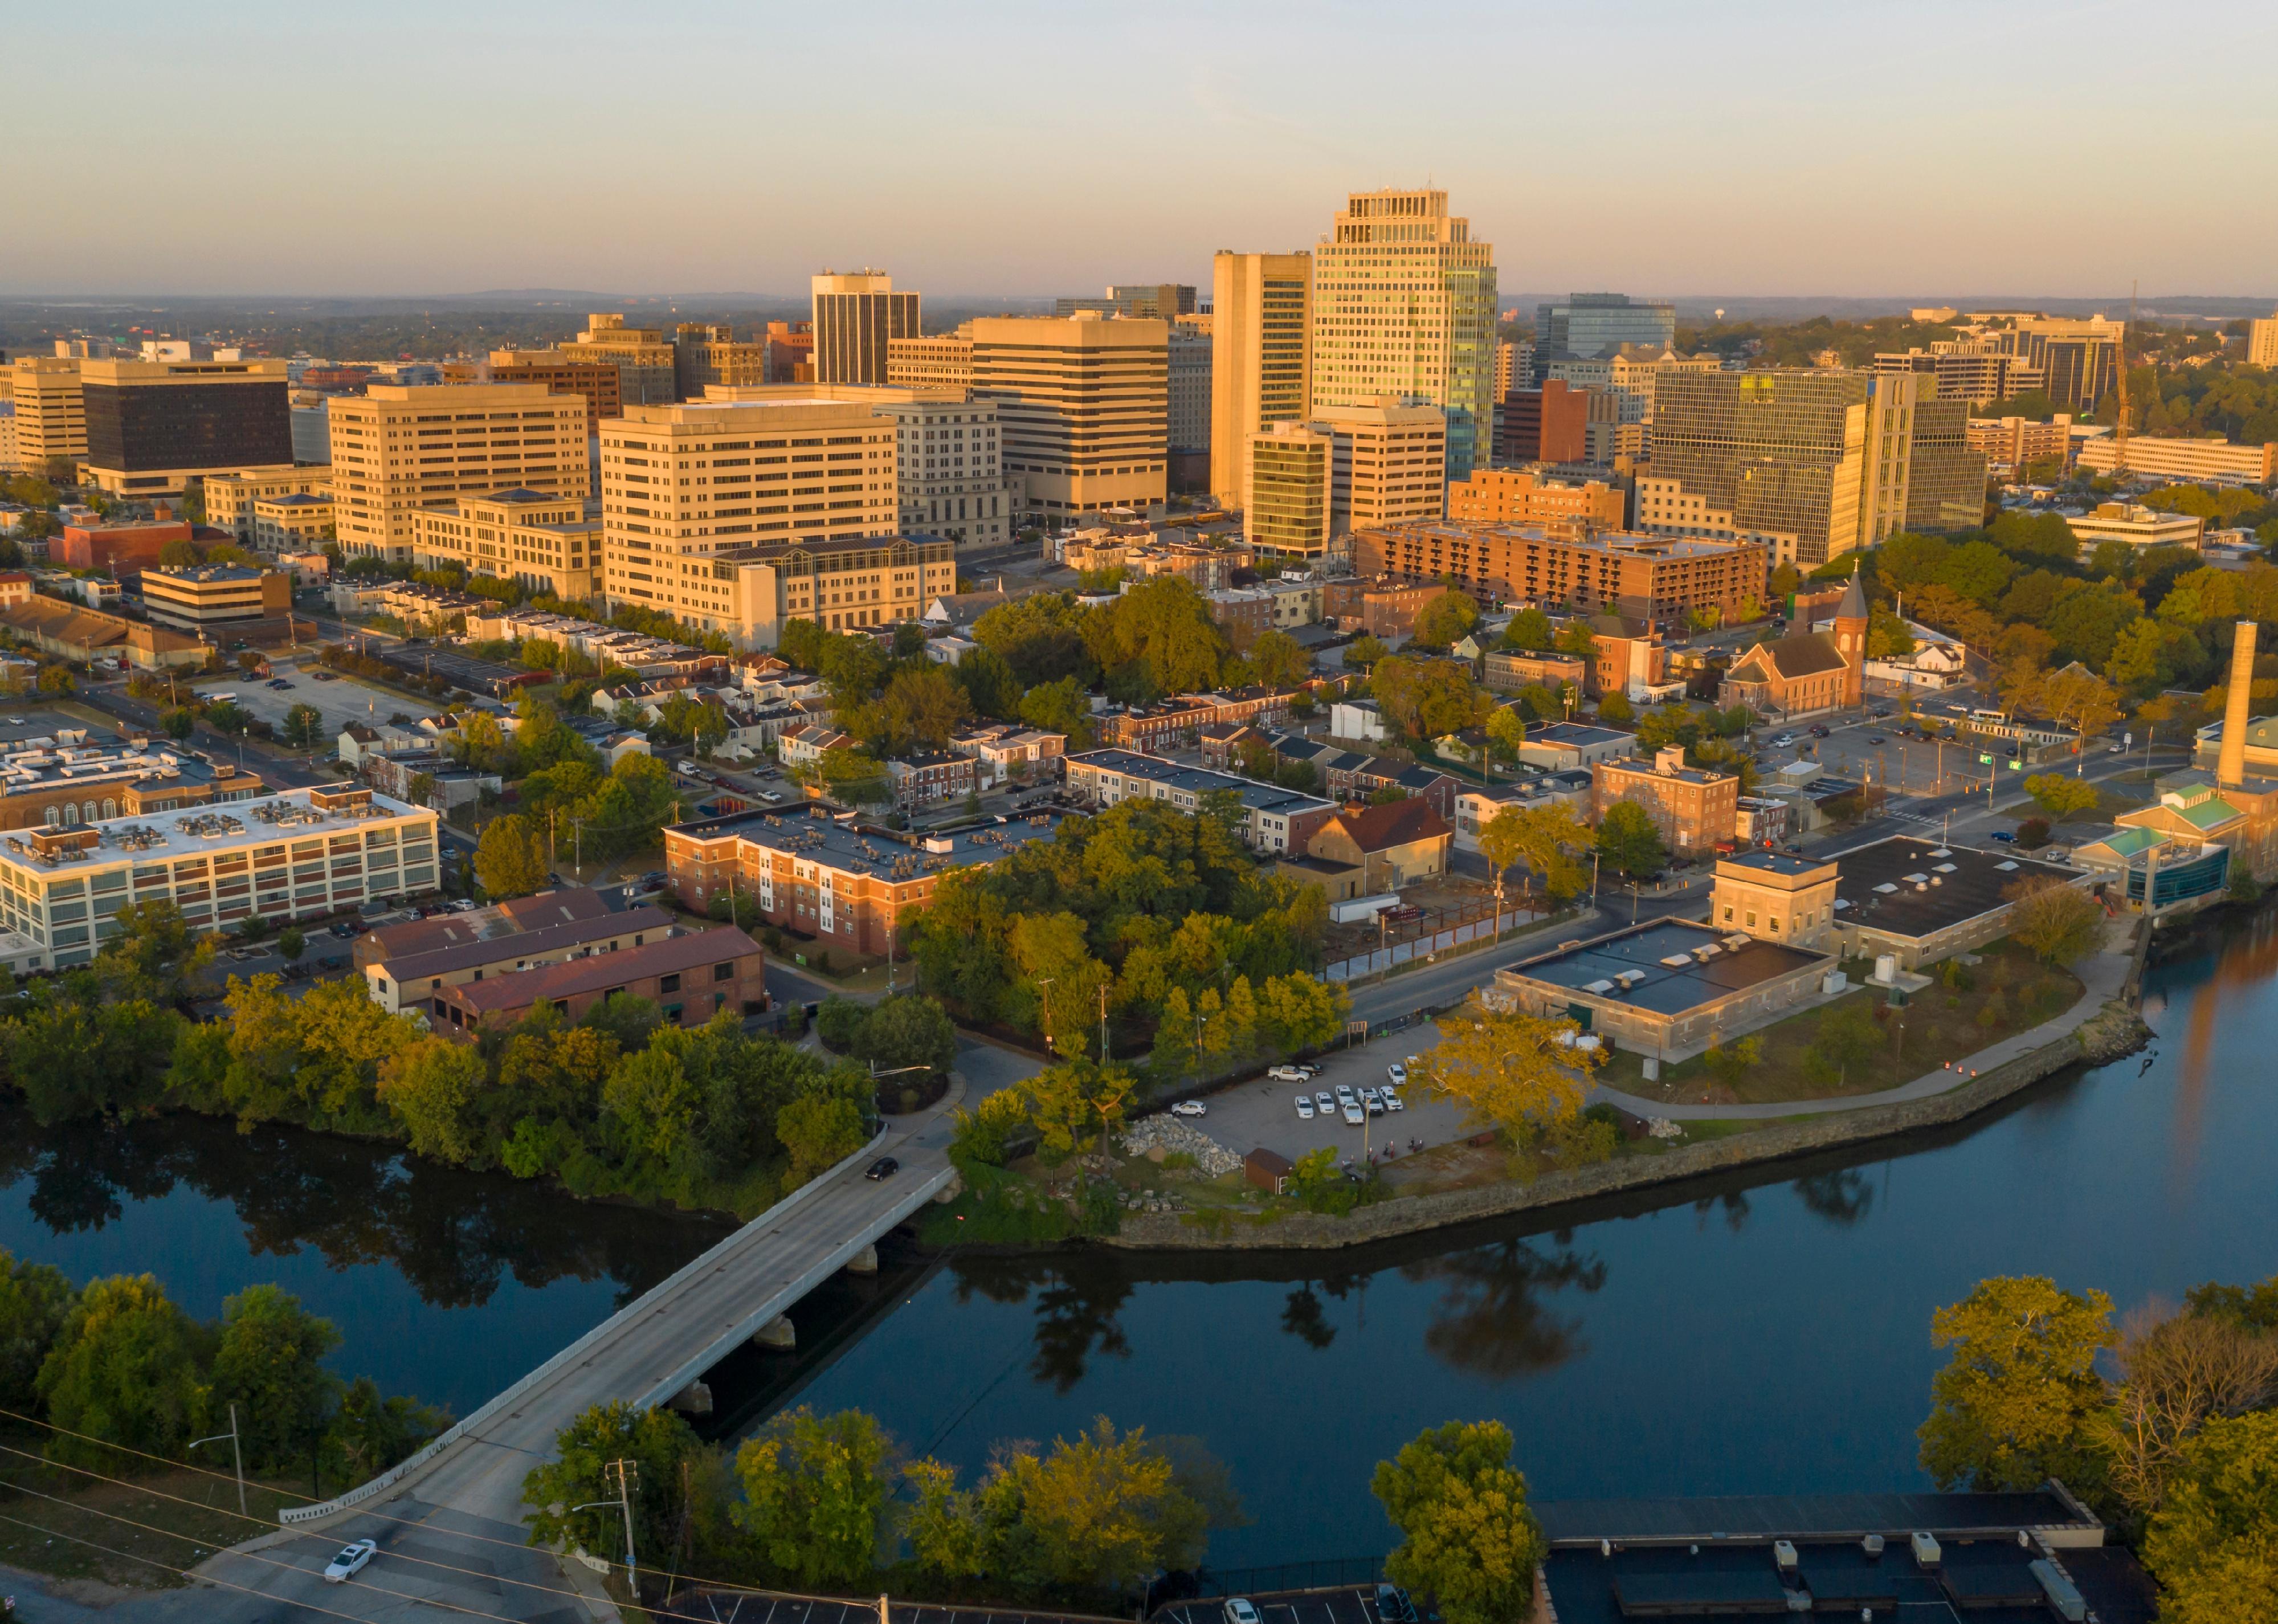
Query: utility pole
[[1103, 1024], [236, 1451], [627, 1474]]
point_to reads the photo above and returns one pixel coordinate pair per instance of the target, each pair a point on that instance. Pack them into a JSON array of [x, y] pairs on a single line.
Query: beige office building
[[856, 317], [1285, 511], [705, 356], [1084, 404], [302, 523], [2215, 461], [842, 584], [1404, 303], [51, 411], [398, 448], [645, 363], [1391, 464], [682, 484], [548, 544], [944, 361], [1261, 349], [2262, 342], [231, 498]]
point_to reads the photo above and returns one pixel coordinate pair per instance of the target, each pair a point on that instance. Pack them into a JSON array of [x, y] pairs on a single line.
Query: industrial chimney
[[2230, 768]]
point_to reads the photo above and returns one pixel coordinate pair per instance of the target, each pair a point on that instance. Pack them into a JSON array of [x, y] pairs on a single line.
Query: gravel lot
[[1263, 1113]]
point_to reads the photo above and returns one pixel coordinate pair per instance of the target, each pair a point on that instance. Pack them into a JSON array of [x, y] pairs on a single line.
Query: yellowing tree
[[2009, 1408], [1467, 1535], [1510, 1071]]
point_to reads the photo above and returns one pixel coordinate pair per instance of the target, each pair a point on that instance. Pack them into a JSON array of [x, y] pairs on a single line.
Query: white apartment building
[[951, 467]]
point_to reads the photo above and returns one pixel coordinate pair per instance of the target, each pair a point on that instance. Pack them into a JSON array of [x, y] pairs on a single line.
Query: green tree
[[1615, 708], [155, 955], [127, 1368], [2061, 923], [657, 1442], [1446, 620], [1277, 660], [2008, 1408], [1531, 630], [2214, 1545], [292, 942], [1507, 731], [369, 1433], [1365, 651], [911, 1029], [1467, 1535], [815, 1497], [1629, 841], [304, 727], [510, 858], [2061, 796], [35, 1300], [820, 1130], [1845, 1035], [432, 1089], [270, 1361]]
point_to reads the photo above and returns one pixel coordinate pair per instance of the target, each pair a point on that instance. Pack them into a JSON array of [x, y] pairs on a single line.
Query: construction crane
[[2120, 434]]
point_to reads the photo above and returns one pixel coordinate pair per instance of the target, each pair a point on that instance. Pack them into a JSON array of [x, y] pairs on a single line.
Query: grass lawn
[[1940, 1023], [185, 1517]]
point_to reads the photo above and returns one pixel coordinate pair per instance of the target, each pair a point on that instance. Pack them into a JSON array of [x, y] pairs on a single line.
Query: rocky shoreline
[[2113, 1031]]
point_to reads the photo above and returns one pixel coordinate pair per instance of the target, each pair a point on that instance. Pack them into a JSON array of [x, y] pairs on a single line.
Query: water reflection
[[1078, 1297], [1843, 1196], [455, 1236], [1733, 1203], [1492, 1320]]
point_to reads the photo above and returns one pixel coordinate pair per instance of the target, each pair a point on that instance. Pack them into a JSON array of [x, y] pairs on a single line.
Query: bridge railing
[[294, 1515]]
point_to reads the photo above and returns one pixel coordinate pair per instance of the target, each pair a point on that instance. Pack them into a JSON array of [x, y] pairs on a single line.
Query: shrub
[[840, 1022], [2033, 834]]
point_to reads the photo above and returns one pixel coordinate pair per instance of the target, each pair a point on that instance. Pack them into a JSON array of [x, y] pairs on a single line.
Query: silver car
[[1326, 1105]]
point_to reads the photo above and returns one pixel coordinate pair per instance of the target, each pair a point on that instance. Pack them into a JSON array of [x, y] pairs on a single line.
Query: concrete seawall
[[2113, 1031]]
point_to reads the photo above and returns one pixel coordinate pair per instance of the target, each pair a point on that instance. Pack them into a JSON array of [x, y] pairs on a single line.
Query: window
[[669, 984], [724, 972]]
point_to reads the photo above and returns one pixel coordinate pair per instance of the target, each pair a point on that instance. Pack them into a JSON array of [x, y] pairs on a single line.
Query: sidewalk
[[2103, 975]]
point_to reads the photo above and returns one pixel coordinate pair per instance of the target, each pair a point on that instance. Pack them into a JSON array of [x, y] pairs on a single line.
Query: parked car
[[1355, 1113], [1392, 1605], [1819, 730], [1345, 1095], [1287, 1074], [1305, 1107], [1190, 1108], [1393, 1102], [1784, 741], [1876, 739], [1397, 1072], [1239, 1610], [350, 1562], [885, 1166], [1326, 1105], [1375, 1105], [340, 928], [2003, 836]]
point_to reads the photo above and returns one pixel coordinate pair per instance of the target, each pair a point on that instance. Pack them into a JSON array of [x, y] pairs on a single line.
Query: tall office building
[[1514, 367], [154, 425], [2262, 342], [51, 411], [1828, 457], [1390, 463], [1404, 304], [599, 381], [856, 315], [791, 352], [1189, 364], [1084, 405], [1286, 510], [1261, 357], [1549, 425], [685, 488], [1591, 324], [1165, 301], [643, 359], [2078, 360], [705, 354], [399, 448], [941, 361]]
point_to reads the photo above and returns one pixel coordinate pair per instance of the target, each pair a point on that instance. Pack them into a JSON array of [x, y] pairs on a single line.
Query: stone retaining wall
[[2112, 1032]]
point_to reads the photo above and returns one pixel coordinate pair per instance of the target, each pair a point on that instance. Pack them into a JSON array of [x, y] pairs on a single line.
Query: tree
[[2214, 1545], [1629, 841], [1575, 638], [1507, 731], [815, 1497], [1614, 708], [819, 1130], [1078, 1098], [270, 1362], [510, 859], [908, 1031], [432, 1089], [578, 1482], [1446, 620], [2178, 1371], [918, 709], [369, 1433], [1277, 660], [2061, 923], [1517, 1073], [1529, 629], [292, 942], [1425, 697], [2061, 797], [2081, 700], [2008, 1409], [155, 956], [1846, 1036], [1365, 651], [1467, 1535], [125, 1368], [35, 1300]]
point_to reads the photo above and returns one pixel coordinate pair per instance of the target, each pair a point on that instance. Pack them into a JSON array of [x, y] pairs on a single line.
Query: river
[[1766, 1333]]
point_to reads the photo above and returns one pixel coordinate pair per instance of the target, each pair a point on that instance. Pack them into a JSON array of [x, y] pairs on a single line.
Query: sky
[[1665, 147]]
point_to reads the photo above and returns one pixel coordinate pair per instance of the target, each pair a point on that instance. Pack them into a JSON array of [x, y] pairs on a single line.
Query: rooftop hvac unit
[[1738, 940], [1873, 1546], [1630, 979], [1678, 961], [1783, 1555], [1599, 987], [1707, 952], [1925, 1549]]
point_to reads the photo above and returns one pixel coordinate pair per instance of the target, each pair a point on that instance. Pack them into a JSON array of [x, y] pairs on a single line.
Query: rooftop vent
[[1886, 887]]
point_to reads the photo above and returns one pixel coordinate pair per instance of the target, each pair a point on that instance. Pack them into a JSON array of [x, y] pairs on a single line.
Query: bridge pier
[[693, 1399], [864, 1262], [777, 1334]]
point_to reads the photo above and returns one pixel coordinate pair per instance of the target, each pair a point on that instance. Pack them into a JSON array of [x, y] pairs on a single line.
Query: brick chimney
[[2230, 767]]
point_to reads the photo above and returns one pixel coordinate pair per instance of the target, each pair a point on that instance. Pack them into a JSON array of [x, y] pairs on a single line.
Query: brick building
[[122, 549], [1549, 425], [1807, 671], [1380, 607], [1695, 809], [1647, 578], [1273, 819], [1523, 496], [689, 978], [1508, 669]]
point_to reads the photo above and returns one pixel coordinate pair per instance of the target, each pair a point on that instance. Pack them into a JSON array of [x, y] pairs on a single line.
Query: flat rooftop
[[1785, 863], [1912, 887], [1648, 956], [1202, 781], [288, 815], [853, 848]]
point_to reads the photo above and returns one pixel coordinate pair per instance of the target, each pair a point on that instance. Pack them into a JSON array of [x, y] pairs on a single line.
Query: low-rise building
[[2210, 462], [2136, 525], [231, 499], [689, 978], [1181, 719], [1006, 751], [88, 634], [292, 524], [927, 777], [1507, 671], [1569, 746], [1923, 901], [220, 601], [1647, 578], [551, 545], [402, 978], [122, 549], [1383, 608], [1367, 851], [1775, 895], [295, 854], [1527, 496], [1273, 819], [2010, 445], [1693, 808]]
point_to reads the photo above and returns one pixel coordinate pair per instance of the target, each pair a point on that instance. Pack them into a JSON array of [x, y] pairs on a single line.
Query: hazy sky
[[1844, 147]]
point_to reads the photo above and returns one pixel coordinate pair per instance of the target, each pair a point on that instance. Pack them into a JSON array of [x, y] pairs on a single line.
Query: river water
[[1763, 1333]]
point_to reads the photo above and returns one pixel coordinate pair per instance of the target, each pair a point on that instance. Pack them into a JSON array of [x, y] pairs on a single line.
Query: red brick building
[[1181, 719], [1382, 608], [1549, 425], [690, 978], [1695, 809], [120, 550]]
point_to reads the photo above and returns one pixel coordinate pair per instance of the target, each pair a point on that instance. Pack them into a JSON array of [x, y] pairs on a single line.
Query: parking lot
[[1346, 1604], [712, 1607], [1263, 1112], [340, 701]]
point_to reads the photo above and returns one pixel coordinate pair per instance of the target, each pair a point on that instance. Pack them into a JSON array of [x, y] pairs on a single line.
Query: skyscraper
[[154, 425], [1261, 348], [398, 447], [1084, 405], [1590, 324], [855, 315], [1404, 303], [643, 359]]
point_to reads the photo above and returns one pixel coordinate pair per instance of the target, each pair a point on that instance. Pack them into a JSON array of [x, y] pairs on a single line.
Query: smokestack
[[2230, 768]]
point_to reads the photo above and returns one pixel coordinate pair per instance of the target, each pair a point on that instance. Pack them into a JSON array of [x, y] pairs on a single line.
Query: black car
[[885, 1166]]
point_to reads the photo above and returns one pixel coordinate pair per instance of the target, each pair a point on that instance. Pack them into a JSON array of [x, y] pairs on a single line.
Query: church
[[1806, 672]]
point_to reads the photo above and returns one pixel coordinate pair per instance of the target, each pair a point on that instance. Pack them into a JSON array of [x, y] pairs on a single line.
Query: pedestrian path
[[2102, 976]]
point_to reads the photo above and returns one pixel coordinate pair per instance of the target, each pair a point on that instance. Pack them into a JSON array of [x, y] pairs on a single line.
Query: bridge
[[655, 1348]]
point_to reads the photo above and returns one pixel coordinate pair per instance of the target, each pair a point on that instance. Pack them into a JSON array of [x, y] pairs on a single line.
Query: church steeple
[[1851, 622]]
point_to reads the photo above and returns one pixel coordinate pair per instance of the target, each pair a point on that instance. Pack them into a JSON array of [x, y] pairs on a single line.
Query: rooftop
[[289, 814], [855, 849], [1776, 862], [524, 944], [1397, 822], [1907, 886], [1669, 966], [548, 908], [1201, 781], [517, 988]]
